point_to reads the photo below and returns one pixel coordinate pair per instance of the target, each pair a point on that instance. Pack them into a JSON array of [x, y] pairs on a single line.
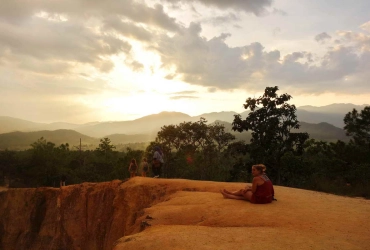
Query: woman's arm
[[254, 184]]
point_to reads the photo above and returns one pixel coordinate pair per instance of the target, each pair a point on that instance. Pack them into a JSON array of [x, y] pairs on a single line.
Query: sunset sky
[[88, 60]]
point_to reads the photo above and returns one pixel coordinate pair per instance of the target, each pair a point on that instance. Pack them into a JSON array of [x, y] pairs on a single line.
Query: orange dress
[[264, 193]]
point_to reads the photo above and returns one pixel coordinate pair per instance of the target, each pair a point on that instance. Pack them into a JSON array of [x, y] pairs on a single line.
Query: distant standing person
[[157, 161], [144, 167], [132, 168], [63, 179]]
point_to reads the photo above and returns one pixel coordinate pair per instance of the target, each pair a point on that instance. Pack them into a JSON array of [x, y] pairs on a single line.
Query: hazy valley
[[322, 123]]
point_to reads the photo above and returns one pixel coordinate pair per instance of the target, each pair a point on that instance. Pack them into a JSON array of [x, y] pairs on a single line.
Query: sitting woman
[[261, 191]]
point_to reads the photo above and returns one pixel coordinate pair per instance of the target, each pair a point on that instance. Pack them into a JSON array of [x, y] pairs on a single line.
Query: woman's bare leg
[[231, 196], [248, 195], [239, 192]]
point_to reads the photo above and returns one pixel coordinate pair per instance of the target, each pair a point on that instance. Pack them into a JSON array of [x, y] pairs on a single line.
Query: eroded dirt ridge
[[86, 216], [147, 213]]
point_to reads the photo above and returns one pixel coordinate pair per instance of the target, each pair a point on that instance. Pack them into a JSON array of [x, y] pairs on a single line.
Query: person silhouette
[[63, 179], [157, 161]]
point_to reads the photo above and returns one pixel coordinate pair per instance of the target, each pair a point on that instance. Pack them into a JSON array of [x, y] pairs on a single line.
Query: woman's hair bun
[[260, 167]]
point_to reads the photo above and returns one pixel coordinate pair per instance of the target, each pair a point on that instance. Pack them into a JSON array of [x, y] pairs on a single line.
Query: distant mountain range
[[336, 108], [322, 123], [23, 140], [150, 124], [332, 114]]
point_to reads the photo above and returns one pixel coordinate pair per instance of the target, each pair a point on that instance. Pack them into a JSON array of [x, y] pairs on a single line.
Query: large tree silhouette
[[271, 120]]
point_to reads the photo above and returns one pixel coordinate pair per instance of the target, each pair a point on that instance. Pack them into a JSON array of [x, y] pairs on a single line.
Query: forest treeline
[[201, 151]]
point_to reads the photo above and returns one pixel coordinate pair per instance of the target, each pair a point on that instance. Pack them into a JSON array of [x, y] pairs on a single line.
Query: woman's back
[[264, 192]]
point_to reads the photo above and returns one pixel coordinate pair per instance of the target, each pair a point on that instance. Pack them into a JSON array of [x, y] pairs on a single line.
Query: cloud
[[223, 19], [213, 63], [57, 44], [322, 37], [170, 76], [126, 28], [18, 11], [257, 7], [60, 51], [134, 65], [279, 12], [187, 92], [366, 26], [357, 39], [53, 37], [183, 97], [106, 66], [276, 31]]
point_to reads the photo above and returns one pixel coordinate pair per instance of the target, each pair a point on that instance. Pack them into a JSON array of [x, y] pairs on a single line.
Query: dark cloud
[[255, 6], [224, 19], [322, 37]]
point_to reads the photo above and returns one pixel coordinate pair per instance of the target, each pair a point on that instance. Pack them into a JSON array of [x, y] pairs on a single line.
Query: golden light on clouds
[[126, 59]]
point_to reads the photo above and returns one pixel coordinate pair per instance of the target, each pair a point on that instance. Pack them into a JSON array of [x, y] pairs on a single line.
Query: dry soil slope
[[200, 218]]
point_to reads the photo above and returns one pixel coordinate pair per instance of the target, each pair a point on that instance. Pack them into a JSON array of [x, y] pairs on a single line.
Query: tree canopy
[[357, 125], [271, 121]]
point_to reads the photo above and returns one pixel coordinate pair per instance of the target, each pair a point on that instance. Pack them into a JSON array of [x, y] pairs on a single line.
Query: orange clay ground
[[196, 216]]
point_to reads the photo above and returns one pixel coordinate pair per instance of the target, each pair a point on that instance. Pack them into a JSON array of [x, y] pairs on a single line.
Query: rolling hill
[[324, 131], [11, 124], [23, 140], [147, 124], [321, 131]]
